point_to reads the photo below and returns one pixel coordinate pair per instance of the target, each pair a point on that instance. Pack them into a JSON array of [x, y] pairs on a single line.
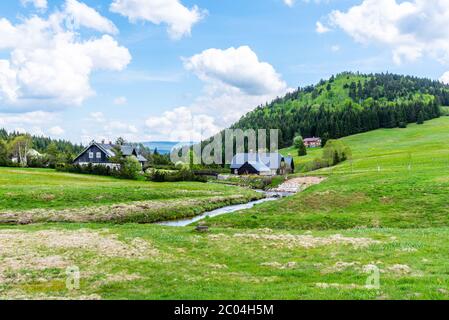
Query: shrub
[[336, 151], [298, 142], [130, 169], [181, 175]]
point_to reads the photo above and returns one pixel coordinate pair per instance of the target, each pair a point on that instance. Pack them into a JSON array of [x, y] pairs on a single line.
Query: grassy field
[[386, 210], [398, 178], [39, 195]]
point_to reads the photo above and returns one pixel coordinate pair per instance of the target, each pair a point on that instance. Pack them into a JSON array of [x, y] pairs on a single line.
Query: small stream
[[270, 196]]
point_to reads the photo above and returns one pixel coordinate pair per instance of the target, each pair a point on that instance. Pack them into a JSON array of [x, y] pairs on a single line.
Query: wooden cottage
[[102, 154]]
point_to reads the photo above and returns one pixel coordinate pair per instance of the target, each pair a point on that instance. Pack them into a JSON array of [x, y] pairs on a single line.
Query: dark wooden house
[[102, 154], [264, 164]]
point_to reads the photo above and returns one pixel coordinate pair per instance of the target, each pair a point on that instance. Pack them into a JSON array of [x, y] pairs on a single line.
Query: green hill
[[348, 104], [398, 178]]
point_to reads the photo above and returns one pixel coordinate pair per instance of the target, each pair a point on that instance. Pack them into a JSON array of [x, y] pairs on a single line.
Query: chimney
[[102, 141], [110, 143]]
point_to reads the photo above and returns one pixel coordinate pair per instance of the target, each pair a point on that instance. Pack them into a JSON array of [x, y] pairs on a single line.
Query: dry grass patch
[[25, 255], [306, 241], [141, 211]]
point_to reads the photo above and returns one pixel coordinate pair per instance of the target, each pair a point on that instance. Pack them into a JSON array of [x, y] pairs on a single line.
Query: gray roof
[[108, 149], [269, 160], [127, 150], [259, 166], [288, 160]]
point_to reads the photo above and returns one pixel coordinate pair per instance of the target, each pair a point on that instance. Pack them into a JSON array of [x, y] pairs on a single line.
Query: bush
[[298, 142], [130, 169], [334, 152], [89, 169], [402, 125], [181, 175]]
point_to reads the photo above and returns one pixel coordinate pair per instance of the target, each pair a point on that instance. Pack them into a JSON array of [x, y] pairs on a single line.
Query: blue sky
[[122, 71]]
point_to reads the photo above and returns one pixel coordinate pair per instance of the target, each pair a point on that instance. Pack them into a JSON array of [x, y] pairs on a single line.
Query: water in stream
[[271, 196]]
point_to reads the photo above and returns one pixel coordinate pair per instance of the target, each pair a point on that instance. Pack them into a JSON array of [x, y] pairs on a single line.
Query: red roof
[[312, 140]]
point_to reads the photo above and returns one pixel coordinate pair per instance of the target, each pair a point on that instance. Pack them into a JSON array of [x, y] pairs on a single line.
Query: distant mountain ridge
[[349, 103], [163, 147]]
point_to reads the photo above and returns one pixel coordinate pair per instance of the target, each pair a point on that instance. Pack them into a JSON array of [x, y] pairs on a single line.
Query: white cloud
[[238, 68], [410, 29], [38, 4], [289, 3], [179, 18], [24, 119], [120, 126], [320, 28], [181, 124], [235, 82], [56, 131], [445, 78], [120, 100], [97, 117], [335, 48], [83, 15], [49, 63]]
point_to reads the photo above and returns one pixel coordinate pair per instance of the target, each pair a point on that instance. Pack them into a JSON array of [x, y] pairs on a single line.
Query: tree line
[[349, 104]]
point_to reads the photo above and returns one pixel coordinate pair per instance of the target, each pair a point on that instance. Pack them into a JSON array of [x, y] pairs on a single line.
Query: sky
[[181, 70]]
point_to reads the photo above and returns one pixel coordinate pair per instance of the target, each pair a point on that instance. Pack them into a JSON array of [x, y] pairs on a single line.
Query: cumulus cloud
[[49, 63], [181, 124], [238, 68], [445, 78], [38, 4], [321, 28], [173, 13], [412, 29], [56, 131], [289, 3], [97, 117], [235, 82], [83, 15], [25, 119]]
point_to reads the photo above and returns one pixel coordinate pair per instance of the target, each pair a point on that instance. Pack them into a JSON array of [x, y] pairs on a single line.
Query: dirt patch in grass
[[139, 212], [298, 184], [341, 266], [37, 259], [305, 241], [281, 266], [308, 241]]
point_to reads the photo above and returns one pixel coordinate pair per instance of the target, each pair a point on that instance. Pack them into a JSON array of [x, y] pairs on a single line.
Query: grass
[[398, 178], [229, 264], [385, 208], [48, 193]]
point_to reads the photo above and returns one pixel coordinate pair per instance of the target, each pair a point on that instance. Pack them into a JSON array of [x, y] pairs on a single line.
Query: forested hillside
[[348, 104]]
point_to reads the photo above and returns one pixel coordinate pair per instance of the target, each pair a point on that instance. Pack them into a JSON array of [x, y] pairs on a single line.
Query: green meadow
[[384, 213]]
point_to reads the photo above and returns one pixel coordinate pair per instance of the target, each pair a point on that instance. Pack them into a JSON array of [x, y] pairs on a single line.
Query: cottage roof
[[269, 160], [108, 149], [312, 139], [288, 160], [259, 166]]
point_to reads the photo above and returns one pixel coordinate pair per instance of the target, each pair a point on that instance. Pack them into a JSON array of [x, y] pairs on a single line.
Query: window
[[98, 155], [91, 155]]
